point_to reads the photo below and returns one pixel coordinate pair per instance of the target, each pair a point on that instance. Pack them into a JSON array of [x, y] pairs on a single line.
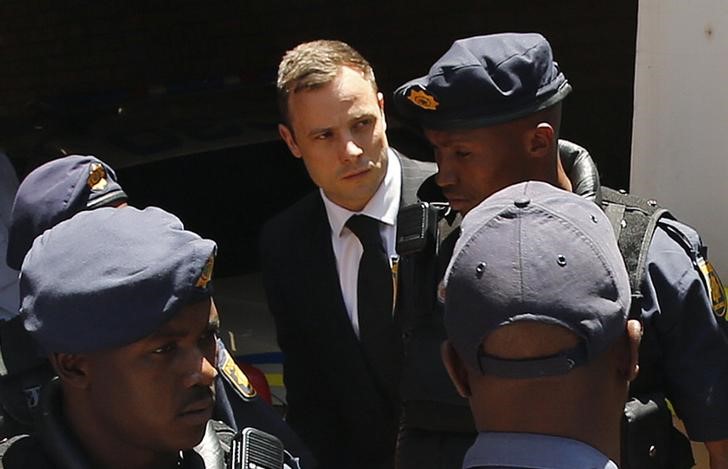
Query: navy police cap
[[535, 253], [483, 81], [109, 277], [55, 192]]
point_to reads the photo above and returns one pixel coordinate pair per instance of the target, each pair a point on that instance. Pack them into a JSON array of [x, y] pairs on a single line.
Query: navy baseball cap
[[111, 276], [483, 81], [532, 252], [55, 192]]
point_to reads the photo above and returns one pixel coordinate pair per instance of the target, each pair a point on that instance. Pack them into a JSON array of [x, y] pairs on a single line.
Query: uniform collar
[[382, 206], [492, 449]]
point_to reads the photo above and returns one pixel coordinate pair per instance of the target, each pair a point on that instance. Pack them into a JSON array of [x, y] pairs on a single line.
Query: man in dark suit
[[335, 312]]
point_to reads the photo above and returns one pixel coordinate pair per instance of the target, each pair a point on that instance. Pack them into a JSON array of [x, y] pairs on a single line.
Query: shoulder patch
[[235, 376], [715, 288]]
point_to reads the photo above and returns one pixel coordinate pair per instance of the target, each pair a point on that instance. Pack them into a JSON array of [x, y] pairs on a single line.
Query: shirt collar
[[383, 205], [533, 451]]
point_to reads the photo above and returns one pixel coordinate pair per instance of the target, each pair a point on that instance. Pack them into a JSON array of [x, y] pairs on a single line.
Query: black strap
[[377, 330], [530, 368], [634, 220]]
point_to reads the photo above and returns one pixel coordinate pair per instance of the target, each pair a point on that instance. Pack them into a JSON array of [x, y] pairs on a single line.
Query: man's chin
[[191, 430], [194, 438]]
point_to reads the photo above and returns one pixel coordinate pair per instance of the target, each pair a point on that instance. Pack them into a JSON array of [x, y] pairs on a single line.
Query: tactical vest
[[634, 220], [649, 441]]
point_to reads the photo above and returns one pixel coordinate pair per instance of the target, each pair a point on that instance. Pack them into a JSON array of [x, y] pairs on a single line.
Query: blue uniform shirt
[[513, 450], [690, 341]]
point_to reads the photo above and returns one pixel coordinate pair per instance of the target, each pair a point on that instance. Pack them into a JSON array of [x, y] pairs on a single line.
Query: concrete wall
[[681, 114]]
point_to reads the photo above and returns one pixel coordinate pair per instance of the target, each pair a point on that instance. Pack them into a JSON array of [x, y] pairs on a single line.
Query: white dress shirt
[[383, 206]]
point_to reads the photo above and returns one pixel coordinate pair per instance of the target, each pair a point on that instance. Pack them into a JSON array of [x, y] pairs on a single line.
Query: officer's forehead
[[444, 138], [191, 319]]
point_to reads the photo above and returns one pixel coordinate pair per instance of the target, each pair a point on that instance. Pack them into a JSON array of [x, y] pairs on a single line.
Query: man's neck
[[570, 414], [562, 179]]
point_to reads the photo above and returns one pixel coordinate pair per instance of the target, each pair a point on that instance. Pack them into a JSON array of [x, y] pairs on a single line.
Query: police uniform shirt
[[534, 451], [383, 206], [688, 327]]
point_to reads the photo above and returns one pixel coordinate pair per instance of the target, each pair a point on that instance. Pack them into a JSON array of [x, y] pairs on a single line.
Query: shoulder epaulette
[[235, 376]]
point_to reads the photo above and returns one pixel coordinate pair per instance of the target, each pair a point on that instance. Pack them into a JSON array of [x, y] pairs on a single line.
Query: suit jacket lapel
[[413, 173], [322, 264], [327, 303], [333, 324]]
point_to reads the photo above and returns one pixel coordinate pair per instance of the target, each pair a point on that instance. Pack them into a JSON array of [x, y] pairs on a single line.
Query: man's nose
[[446, 175], [202, 372], [351, 149]]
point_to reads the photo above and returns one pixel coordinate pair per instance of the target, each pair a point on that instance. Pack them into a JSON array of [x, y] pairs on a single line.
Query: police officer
[[54, 192], [120, 302], [539, 342], [491, 108], [50, 194]]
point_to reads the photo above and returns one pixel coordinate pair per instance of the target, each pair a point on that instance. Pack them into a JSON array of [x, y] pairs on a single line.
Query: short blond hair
[[311, 65]]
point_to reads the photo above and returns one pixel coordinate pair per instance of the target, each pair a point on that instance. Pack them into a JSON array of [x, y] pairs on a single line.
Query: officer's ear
[[72, 368], [286, 134], [455, 368], [540, 140], [634, 337]]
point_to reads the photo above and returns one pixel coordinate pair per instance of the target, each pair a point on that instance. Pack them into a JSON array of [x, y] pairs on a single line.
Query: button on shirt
[[533, 451], [383, 206]]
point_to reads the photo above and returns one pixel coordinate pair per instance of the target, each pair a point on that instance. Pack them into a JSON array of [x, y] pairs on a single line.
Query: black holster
[[649, 440]]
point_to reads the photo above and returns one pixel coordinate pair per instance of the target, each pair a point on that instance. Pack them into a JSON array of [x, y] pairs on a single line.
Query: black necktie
[[378, 333]]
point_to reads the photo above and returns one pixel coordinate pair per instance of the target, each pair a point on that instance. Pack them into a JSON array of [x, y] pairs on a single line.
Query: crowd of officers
[[496, 308]]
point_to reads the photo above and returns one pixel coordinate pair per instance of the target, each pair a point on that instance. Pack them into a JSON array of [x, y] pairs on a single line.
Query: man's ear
[[380, 101], [455, 368], [540, 140], [634, 337], [287, 136], [72, 368]]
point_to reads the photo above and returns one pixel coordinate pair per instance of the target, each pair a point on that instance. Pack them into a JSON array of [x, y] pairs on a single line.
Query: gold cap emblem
[[206, 274], [422, 99], [97, 177]]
